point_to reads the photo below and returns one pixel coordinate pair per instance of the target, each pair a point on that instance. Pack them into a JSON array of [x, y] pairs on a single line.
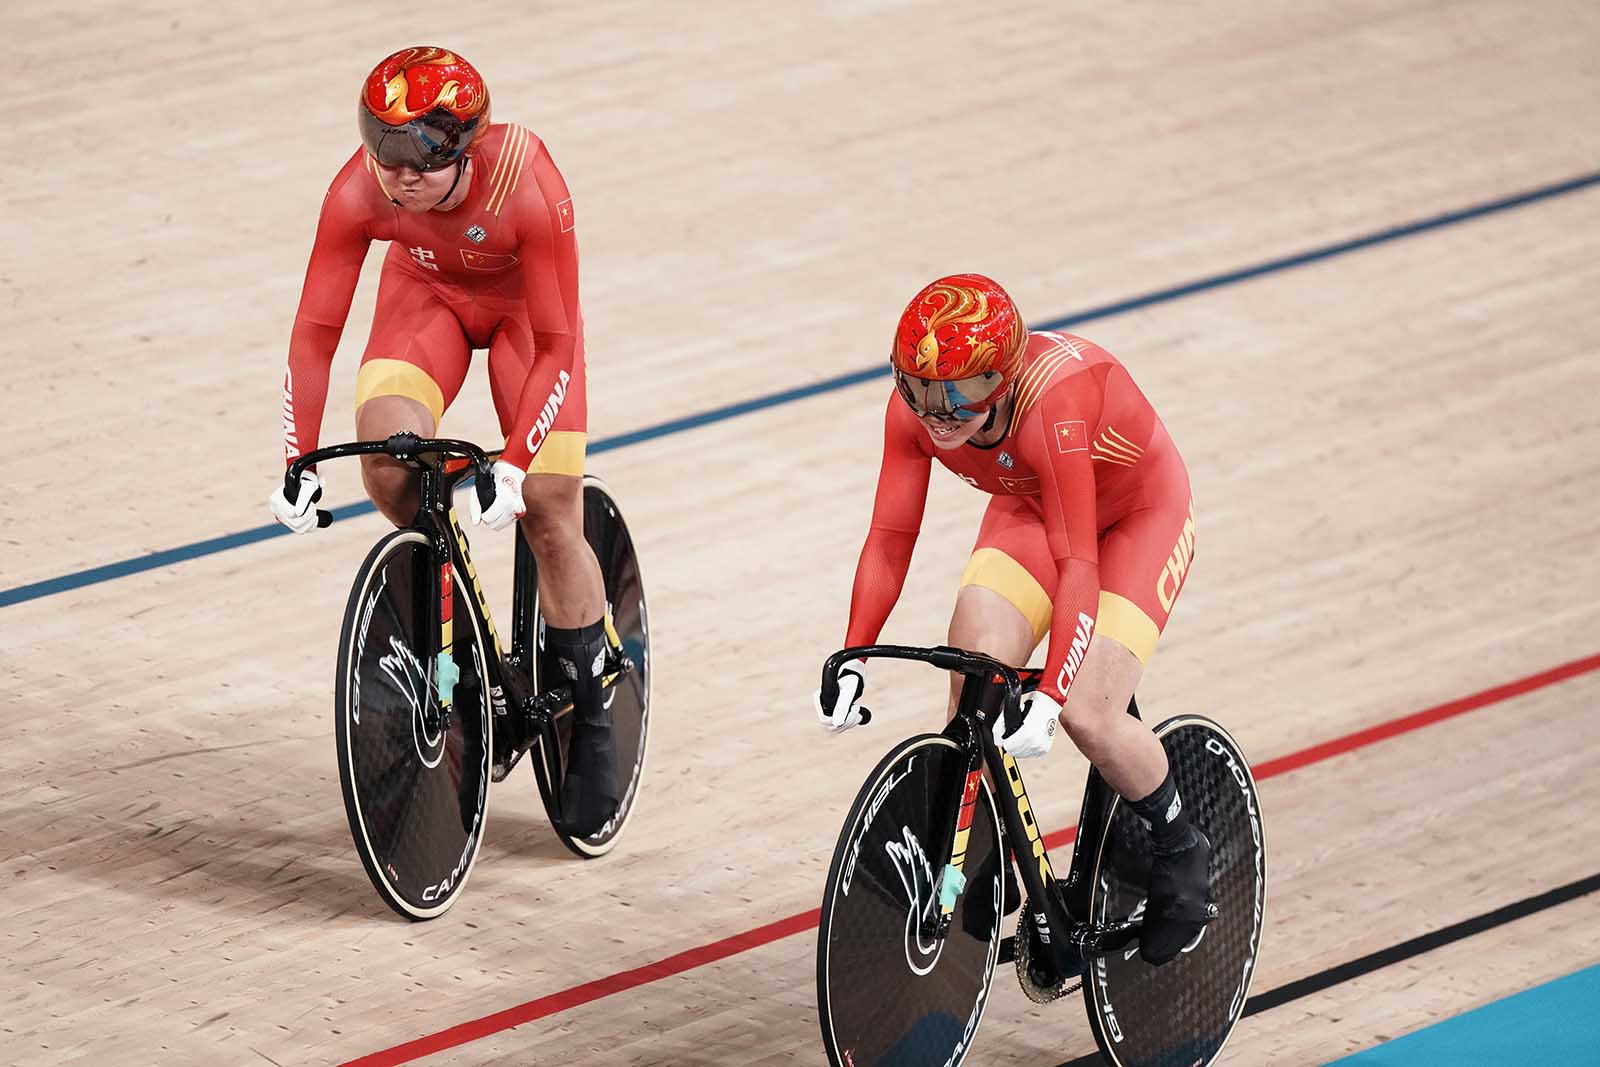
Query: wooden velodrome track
[[1395, 452]]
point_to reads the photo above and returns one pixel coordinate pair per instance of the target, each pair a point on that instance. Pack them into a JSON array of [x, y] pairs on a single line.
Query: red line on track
[[693, 958]]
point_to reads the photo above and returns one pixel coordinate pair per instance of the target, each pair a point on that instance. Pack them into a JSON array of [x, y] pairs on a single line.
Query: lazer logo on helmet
[[547, 414], [1075, 654]]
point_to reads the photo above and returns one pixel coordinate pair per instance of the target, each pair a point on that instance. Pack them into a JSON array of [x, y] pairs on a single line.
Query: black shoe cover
[[1178, 904], [589, 792], [589, 789]]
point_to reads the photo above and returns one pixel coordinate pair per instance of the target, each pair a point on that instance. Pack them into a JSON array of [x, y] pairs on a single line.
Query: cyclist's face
[[950, 433], [417, 190]]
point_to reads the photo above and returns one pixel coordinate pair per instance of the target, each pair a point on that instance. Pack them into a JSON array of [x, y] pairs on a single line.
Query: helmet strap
[[999, 417], [461, 168]]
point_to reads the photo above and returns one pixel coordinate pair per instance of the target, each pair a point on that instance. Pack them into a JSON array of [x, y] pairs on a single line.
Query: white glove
[[1038, 730], [846, 712], [508, 505], [301, 516]]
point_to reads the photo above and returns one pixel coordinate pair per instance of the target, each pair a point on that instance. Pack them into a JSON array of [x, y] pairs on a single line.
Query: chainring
[[1024, 954]]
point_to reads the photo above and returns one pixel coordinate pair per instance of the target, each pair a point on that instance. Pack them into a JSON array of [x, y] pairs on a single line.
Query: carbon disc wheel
[[1181, 1014], [628, 698], [887, 995], [415, 779]]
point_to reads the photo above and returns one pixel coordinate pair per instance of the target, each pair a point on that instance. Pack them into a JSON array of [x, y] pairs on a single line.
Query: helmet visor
[[428, 142], [960, 399]]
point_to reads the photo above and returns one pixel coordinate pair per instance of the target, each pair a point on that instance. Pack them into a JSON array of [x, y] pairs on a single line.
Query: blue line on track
[[183, 553]]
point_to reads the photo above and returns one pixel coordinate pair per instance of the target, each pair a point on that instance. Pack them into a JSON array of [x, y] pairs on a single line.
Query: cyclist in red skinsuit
[[482, 254], [499, 271], [1088, 536]]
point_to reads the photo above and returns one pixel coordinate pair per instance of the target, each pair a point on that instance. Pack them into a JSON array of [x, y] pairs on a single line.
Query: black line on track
[[1416, 946]]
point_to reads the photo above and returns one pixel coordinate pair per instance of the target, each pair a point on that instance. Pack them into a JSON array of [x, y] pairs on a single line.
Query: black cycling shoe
[[589, 793], [589, 797], [1178, 904]]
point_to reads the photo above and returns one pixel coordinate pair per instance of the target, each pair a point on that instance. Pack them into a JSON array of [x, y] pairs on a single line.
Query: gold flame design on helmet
[[961, 305], [396, 113]]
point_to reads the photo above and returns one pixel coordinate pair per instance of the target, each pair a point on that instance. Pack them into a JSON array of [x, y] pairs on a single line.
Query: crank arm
[[1100, 939]]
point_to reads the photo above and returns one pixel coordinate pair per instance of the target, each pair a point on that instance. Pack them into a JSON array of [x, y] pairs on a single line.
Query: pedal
[[500, 771], [617, 665], [1008, 949], [508, 737]]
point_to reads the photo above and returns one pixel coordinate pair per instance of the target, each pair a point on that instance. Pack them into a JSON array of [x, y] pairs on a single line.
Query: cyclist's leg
[[1002, 607], [1005, 609], [571, 591], [1095, 716], [416, 359], [571, 588], [1143, 560], [1002, 610]]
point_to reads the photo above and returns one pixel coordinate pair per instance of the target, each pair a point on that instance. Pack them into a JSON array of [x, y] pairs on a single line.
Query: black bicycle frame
[[1071, 939], [509, 678]]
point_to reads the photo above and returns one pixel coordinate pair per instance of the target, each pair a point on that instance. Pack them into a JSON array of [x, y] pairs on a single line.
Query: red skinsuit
[[1090, 500], [500, 271]]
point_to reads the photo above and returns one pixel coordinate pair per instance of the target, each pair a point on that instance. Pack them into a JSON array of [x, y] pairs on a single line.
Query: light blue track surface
[[1552, 1025]]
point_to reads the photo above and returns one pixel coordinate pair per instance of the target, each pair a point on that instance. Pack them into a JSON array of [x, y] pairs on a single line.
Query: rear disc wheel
[[627, 698], [1181, 1013]]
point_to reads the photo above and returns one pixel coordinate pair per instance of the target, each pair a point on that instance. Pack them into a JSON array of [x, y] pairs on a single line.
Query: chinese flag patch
[[564, 213], [490, 261], [1071, 436], [969, 795]]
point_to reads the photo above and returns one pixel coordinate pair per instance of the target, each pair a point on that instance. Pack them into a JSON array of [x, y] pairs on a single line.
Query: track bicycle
[[910, 929], [429, 705]]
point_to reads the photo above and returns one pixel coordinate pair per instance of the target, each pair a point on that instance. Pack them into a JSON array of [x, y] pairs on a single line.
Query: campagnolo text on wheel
[[1088, 536]]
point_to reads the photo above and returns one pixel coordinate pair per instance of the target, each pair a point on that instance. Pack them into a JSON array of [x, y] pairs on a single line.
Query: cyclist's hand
[[1038, 729], [846, 712], [301, 516], [508, 506]]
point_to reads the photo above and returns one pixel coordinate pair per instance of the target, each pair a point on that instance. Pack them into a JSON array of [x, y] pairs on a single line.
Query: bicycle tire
[[416, 798], [607, 533], [1182, 1013], [886, 998]]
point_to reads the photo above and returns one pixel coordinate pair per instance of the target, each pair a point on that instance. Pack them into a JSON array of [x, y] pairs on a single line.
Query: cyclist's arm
[[1055, 440], [896, 520], [331, 276], [549, 265]]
